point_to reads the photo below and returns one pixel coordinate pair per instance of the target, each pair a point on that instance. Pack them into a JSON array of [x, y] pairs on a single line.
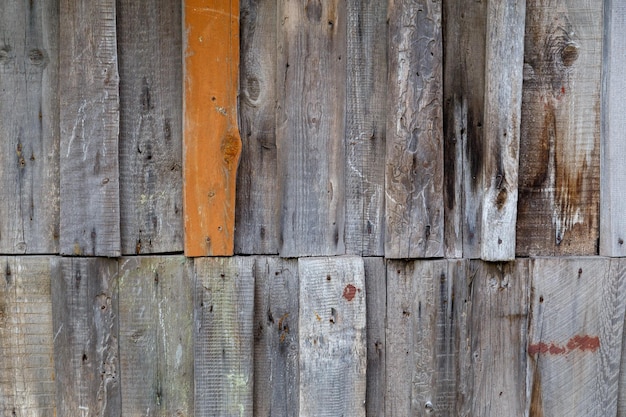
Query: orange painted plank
[[212, 145]]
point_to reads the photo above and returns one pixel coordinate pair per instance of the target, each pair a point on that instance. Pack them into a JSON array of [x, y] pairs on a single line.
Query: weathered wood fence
[[428, 211]]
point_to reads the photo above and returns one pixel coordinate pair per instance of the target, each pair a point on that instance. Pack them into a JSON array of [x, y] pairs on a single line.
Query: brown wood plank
[[414, 158], [89, 119], [559, 176], [376, 290], [29, 137], [212, 145], [150, 65]]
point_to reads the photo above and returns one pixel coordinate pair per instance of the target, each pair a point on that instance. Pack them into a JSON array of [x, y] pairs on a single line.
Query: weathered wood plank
[[29, 137], [212, 145], [150, 61], [276, 338], [26, 339], [376, 314], [366, 91], [89, 119], [414, 158], [332, 339], [560, 140], [310, 126], [258, 206], [224, 336], [156, 336], [85, 324], [575, 336]]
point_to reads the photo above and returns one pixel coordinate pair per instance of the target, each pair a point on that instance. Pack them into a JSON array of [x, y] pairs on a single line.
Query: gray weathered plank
[[258, 206], [89, 120], [613, 175], [366, 90], [150, 158], [85, 325], [559, 177], [26, 340], [310, 126], [575, 336], [332, 340], [376, 301], [29, 133], [223, 336], [276, 338], [156, 336], [414, 136], [503, 101]]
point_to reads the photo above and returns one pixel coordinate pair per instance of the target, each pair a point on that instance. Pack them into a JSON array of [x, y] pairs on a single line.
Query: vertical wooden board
[[85, 325], [613, 175], [258, 206], [333, 349], [29, 133], [560, 140], [414, 158], [89, 103], [575, 336], [366, 90], [310, 126], [276, 337], [211, 141], [224, 336], [150, 60], [26, 364], [156, 336]]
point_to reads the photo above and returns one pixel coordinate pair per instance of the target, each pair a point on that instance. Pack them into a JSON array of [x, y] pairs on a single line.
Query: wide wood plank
[[86, 353], [156, 336], [414, 157], [559, 175], [333, 350], [310, 126], [26, 339], [89, 106], [224, 336], [376, 314], [150, 65], [29, 137]]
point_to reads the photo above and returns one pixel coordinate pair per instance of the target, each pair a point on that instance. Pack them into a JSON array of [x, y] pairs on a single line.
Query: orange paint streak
[[212, 145], [583, 343]]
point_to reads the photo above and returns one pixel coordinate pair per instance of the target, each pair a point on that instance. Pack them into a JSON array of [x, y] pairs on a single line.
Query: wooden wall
[[428, 217]]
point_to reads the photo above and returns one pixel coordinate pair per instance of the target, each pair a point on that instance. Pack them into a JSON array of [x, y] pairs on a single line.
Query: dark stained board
[[376, 306]]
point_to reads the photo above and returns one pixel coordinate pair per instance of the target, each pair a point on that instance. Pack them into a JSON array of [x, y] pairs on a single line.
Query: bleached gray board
[[376, 306]]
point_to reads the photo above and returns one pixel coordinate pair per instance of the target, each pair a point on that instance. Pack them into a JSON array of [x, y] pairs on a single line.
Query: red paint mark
[[349, 292], [562, 89], [584, 343], [579, 342]]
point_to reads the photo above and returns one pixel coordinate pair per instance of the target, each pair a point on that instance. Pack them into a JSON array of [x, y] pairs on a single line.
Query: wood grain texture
[[29, 133], [376, 303], [276, 367], [366, 88], [414, 158], [150, 65], [310, 126], [26, 340], [211, 141], [503, 100], [613, 170], [560, 140], [333, 350], [575, 336], [89, 119], [224, 336], [156, 336], [85, 319], [258, 203]]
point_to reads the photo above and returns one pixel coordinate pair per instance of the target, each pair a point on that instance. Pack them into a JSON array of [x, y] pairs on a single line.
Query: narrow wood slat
[[149, 45], [85, 325], [212, 145], [333, 350], [414, 158], [89, 106], [223, 336], [29, 137], [376, 314], [156, 336], [26, 339], [310, 126]]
